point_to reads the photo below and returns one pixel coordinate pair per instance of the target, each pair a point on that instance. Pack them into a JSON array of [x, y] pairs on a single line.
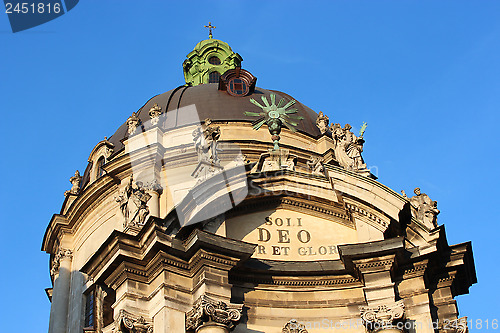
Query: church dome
[[215, 104]]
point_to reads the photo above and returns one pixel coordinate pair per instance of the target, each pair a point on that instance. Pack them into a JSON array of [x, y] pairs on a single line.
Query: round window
[[214, 60]]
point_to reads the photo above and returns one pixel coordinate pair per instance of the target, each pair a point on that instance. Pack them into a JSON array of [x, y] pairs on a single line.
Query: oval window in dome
[[214, 60], [213, 77], [237, 87]]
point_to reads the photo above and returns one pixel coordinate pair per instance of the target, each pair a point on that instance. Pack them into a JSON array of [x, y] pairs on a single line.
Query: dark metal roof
[[210, 103], [214, 104]]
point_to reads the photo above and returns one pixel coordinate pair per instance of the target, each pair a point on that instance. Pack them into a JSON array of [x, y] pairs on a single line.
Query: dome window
[[237, 82], [214, 61], [213, 77], [237, 87]]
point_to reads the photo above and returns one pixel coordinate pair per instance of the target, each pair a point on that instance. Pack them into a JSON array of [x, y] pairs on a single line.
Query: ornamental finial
[[210, 27]]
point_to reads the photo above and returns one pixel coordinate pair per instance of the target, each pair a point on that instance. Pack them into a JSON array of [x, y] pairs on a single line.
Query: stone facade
[[213, 227]]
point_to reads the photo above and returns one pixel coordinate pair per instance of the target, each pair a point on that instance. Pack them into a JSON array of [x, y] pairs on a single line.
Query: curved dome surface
[[214, 104]]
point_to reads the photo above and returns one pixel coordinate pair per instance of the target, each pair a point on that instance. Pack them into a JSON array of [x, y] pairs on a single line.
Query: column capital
[[128, 323], [293, 326], [381, 317], [58, 257], [207, 310]]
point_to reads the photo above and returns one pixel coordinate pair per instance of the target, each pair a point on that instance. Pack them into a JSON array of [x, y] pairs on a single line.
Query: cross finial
[[210, 27]]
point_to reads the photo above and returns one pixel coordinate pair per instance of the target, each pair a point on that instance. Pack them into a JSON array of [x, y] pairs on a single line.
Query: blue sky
[[424, 75]]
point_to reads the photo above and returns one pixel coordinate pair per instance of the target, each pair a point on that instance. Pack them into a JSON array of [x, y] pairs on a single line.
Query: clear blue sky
[[424, 75]]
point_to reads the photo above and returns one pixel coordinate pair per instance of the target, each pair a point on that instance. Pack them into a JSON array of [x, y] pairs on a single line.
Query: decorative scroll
[[293, 326], [382, 316], [127, 323], [56, 262], [209, 310]]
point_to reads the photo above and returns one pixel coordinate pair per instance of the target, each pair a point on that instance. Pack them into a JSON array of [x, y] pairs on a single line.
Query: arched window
[[100, 169], [213, 77], [214, 61]]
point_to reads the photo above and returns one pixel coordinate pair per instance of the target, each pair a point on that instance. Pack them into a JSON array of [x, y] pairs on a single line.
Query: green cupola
[[208, 61]]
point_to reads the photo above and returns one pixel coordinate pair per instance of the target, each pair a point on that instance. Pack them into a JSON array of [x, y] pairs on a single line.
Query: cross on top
[[210, 27]]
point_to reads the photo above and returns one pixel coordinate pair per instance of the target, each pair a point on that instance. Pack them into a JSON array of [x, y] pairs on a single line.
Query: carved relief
[[133, 204], [127, 323], [276, 160], [382, 316], [348, 148], [293, 326], [426, 209], [132, 123], [154, 114], [75, 181], [322, 122], [56, 261], [315, 165], [208, 310]]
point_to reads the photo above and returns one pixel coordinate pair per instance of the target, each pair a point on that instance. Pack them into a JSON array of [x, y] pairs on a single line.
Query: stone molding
[[293, 326], [207, 310], [56, 262], [382, 316], [128, 323]]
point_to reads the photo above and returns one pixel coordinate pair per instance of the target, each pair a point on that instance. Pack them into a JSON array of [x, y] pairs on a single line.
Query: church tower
[[221, 206]]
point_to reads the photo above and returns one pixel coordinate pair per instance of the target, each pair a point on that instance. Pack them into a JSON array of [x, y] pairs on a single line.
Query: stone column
[[211, 316], [61, 269], [213, 328]]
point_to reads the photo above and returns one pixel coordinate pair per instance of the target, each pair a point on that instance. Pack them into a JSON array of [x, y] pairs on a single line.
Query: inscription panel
[[288, 235]]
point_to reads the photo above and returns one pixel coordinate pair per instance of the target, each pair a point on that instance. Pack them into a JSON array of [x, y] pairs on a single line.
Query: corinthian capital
[[207, 310], [56, 262], [382, 316]]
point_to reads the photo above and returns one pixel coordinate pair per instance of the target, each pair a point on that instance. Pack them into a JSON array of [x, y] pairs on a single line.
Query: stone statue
[[322, 122], [315, 164], [75, 181], [426, 209], [155, 113], [205, 139], [133, 204], [132, 123], [348, 147]]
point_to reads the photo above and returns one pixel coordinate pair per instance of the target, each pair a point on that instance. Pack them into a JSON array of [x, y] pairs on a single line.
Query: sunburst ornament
[[275, 116]]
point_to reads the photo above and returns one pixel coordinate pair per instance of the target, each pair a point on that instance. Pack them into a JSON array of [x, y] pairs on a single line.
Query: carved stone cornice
[[128, 323], [207, 310], [382, 316], [293, 326], [56, 262]]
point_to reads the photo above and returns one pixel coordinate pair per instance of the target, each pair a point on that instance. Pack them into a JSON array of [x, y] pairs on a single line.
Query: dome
[[215, 104]]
